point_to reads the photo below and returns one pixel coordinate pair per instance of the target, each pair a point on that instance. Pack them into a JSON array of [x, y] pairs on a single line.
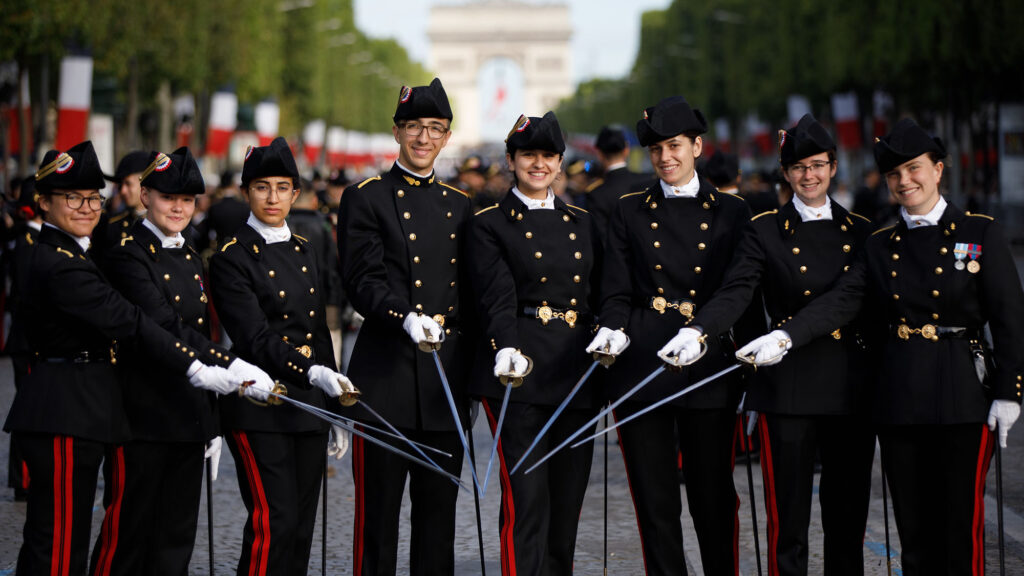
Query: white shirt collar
[[176, 241], [37, 226], [270, 234], [615, 166], [811, 214], [688, 190], [929, 219], [83, 241], [412, 173], [546, 203]]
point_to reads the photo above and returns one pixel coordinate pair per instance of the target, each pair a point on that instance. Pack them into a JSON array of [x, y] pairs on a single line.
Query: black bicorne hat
[[174, 173], [275, 159], [903, 143], [611, 139], [804, 140], [76, 169], [423, 102], [132, 163], [668, 118], [722, 168], [533, 133]]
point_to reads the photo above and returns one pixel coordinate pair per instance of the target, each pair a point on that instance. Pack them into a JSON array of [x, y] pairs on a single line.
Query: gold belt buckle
[[305, 350], [930, 332], [439, 318], [570, 318], [659, 303], [686, 309], [903, 331], [545, 313]]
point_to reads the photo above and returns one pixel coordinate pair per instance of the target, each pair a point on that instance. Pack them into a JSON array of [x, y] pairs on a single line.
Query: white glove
[[339, 443], [766, 350], [331, 382], [261, 381], [213, 455], [510, 362], [1004, 413], [422, 328], [684, 348], [214, 378], [608, 341]]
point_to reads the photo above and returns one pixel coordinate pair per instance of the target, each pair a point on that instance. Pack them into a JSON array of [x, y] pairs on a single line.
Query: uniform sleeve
[[239, 310], [132, 279], [493, 285], [736, 293], [1003, 306], [617, 274], [361, 250], [837, 307]]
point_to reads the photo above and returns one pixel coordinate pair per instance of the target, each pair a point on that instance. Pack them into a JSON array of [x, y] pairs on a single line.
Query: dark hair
[[831, 160]]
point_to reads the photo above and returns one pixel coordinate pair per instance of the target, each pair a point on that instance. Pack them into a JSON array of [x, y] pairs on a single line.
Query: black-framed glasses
[[799, 170], [75, 201], [262, 189], [434, 131]]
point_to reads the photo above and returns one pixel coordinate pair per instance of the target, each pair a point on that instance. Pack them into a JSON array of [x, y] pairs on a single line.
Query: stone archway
[[464, 38]]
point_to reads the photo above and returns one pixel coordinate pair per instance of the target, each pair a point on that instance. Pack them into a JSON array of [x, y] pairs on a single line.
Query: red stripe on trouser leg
[[978, 521], [358, 469], [260, 510], [112, 516], [770, 504], [25, 479], [632, 496], [508, 508], [58, 564]]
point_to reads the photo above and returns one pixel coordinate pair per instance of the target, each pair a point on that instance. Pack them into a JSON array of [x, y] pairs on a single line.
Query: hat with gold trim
[[804, 140], [76, 169], [533, 133], [423, 102], [275, 159], [670, 117], [174, 173], [903, 143]]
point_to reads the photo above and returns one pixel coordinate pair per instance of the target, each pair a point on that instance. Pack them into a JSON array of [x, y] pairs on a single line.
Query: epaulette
[[631, 194], [594, 184], [864, 218], [63, 251], [118, 217], [126, 240], [363, 183], [577, 208], [192, 250], [883, 229], [303, 239], [981, 216], [482, 210], [764, 214], [28, 238], [453, 188], [225, 247]]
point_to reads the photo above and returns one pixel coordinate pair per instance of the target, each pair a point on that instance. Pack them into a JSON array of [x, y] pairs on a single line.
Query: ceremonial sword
[[509, 381], [599, 358]]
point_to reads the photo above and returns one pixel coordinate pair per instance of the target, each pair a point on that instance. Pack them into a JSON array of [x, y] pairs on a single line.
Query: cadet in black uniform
[[113, 228], [531, 258], [604, 193], [813, 402], [68, 410], [399, 238], [667, 251], [266, 287], [153, 507], [934, 280]]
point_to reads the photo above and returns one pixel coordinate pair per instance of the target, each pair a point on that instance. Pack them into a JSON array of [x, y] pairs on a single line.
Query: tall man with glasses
[[399, 240]]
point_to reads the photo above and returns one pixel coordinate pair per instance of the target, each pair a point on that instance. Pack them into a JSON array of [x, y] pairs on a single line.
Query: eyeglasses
[[262, 190], [434, 131], [75, 201], [799, 170]]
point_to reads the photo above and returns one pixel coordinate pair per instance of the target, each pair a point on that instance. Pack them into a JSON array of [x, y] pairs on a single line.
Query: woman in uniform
[[150, 525], [531, 258], [935, 280], [814, 401], [68, 413], [265, 283]]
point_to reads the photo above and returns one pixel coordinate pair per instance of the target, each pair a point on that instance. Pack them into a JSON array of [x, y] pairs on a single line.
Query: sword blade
[[455, 415], [554, 416], [497, 435], [597, 418], [661, 402], [403, 437]]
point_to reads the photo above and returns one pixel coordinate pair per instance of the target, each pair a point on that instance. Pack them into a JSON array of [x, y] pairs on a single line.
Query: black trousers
[[789, 445], [937, 478], [152, 508], [17, 470], [58, 518], [706, 442], [380, 482], [540, 511], [279, 476]]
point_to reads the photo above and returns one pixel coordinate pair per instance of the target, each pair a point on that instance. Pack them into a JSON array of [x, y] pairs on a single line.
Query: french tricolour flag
[[847, 117], [268, 117], [73, 101], [223, 120]]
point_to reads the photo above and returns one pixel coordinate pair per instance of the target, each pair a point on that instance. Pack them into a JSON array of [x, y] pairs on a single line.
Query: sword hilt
[[673, 361], [278, 389], [349, 397], [429, 344], [605, 357], [516, 380]]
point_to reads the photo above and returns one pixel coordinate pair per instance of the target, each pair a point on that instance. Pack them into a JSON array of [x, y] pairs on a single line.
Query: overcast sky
[[604, 42]]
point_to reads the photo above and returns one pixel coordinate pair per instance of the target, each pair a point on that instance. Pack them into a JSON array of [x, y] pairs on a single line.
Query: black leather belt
[[547, 313], [83, 357], [685, 307], [931, 332]]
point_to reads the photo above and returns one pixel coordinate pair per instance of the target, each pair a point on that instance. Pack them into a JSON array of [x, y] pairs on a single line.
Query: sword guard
[[673, 361], [516, 380], [271, 401], [428, 344], [349, 398], [604, 358], [748, 359]]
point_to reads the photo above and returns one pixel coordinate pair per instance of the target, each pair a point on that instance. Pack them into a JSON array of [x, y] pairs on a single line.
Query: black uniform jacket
[[109, 233], [910, 277], [268, 299], [72, 388], [21, 266], [677, 249], [167, 284], [793, 262], [399, 239], [604, 195], [521, 260]]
